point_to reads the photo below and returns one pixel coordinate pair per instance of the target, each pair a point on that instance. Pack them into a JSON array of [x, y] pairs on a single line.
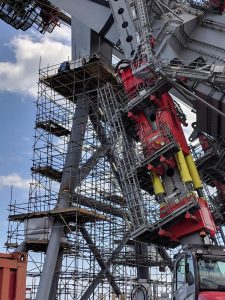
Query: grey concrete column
[[66, 191]]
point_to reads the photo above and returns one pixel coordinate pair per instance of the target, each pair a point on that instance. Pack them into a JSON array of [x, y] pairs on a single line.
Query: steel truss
[[95, 259]]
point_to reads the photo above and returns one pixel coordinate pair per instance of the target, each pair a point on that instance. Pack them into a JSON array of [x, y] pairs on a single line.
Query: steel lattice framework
[[89, 181]]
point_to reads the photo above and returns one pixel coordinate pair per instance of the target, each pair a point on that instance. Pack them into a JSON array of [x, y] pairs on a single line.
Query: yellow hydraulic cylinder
[[194, 172], [157, 184], [183, 168]]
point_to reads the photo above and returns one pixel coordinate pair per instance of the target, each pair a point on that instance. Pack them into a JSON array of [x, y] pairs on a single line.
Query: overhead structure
[[116, 189], [98, 257]]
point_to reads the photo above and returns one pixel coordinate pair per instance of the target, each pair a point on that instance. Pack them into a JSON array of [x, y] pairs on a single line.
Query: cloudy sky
[[20, 54]]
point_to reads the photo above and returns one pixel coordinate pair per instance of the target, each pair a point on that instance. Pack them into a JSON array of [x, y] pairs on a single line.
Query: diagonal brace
[[88, 166], [99, 259], [103, 272]]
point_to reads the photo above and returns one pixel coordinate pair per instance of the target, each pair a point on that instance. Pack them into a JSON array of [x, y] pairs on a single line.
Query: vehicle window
[[190, 271], [180, 273], [212, 275]]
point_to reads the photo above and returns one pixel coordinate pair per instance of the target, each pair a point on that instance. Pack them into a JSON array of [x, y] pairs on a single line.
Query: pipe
[[182, 167], [157, 184], [193, 172]]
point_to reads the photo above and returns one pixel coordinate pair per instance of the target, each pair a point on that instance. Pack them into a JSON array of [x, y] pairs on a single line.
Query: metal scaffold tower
[[80, 203], [116, 189]]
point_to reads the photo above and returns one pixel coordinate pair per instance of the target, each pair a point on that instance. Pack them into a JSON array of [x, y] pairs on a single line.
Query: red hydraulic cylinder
[[13, 269]]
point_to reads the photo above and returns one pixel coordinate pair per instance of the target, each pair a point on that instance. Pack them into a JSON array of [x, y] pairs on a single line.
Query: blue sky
[[19, 62]]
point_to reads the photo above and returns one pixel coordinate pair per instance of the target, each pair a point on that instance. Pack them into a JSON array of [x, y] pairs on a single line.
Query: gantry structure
[[89, 181]]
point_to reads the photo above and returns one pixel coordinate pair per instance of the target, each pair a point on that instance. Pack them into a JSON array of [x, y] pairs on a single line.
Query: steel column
[[65, 194], [54, 286], [141, 249]]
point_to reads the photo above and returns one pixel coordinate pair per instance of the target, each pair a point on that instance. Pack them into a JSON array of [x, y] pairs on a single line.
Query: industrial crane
[[174, 174], [145, 30]]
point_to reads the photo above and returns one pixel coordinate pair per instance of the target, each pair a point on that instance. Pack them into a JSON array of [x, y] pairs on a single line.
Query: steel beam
[[102, 137], [91, 14], [66, 191], [166, 258], [99, 259], [103, 207], [186, 93], [91, 163]]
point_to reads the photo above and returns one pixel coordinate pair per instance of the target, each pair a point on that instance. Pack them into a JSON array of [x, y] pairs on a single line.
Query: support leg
[[55, 281], [66, 191]]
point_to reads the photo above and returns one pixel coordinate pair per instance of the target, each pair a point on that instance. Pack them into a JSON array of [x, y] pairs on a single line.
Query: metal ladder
[[124, 155]]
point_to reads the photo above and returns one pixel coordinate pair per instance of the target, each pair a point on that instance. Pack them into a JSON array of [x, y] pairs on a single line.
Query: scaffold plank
[[48, 171], [69, 213], [53, 127], [74, 81]]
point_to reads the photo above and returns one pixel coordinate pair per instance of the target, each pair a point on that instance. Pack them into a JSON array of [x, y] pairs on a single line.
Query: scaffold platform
[[69, 214], [53, 127], [80, 76]]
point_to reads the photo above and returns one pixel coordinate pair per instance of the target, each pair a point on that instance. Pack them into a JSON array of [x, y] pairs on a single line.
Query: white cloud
[[14, 180], [191, 117], [22, 75]]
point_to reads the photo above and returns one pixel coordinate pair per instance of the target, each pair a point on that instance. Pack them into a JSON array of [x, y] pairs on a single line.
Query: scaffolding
[[97, 219]]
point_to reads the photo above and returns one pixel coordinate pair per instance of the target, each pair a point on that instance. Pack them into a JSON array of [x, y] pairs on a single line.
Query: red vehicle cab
[[199, 274]]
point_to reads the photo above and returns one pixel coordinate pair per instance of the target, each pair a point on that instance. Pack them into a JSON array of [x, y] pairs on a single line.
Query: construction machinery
[[199, 273], [165, 48]]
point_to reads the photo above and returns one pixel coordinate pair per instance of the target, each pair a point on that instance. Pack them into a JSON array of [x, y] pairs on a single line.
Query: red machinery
[[198, 272], [169, 159]]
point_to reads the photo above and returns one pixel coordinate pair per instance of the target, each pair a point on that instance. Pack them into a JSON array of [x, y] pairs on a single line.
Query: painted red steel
[[211, 295], [13, 276], [158, 124], [218, 4], [165, 113], [200, 220]]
